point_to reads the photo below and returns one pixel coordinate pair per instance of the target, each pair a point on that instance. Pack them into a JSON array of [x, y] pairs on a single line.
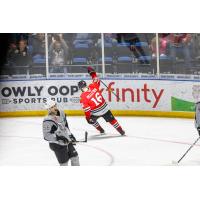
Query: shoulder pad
[[47, 117]]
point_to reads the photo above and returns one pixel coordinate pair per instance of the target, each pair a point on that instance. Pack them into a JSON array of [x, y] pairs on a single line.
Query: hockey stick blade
[[174, 162], [86, 136], [85, 139]]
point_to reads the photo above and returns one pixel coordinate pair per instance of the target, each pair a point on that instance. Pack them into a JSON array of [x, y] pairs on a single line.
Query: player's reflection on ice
[[149, 141]]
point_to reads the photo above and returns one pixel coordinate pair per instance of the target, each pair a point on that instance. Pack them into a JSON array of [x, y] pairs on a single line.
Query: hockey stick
[[113, 93], [187, 150], [110, 90], [85, 139], [77, 141]]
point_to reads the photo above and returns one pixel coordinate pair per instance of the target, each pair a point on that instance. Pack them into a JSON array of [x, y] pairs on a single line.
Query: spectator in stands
[[38, 45], [179, 44], [58, 53], [18, 55], [10, 54], [163, 42], [133, 38], [196, 45]]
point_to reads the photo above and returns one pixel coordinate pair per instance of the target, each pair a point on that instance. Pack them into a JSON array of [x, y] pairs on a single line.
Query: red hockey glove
[[91, 70]]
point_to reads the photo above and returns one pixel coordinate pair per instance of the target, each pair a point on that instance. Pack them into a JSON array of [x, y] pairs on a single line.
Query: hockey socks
[[98, 127], [116, 125], [75, 161]]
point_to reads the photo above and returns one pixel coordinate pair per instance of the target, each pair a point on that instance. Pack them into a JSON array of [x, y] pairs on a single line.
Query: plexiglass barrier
[[29, 56]]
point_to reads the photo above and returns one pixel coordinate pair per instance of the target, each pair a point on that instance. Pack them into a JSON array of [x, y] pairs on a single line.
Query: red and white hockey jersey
[[92, 100]]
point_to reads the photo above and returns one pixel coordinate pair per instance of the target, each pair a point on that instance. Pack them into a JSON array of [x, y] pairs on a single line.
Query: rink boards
[[136, 97]]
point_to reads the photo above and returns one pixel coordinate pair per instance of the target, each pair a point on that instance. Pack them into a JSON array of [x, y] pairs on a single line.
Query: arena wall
[[161, 98]]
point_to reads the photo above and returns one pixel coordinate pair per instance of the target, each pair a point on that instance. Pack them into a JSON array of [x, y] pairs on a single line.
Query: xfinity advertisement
[[137, 94]]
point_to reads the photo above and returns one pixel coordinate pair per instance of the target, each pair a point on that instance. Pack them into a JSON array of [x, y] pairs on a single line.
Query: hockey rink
[[148, 141]]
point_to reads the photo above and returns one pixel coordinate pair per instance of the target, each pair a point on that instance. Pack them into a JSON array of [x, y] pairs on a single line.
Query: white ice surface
[[149, 141]]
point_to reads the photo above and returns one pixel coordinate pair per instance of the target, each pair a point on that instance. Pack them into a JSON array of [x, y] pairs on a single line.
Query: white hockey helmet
[[49, 103]]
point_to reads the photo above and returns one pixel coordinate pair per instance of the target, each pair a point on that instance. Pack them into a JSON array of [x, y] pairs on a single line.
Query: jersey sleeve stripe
[[86, 110]]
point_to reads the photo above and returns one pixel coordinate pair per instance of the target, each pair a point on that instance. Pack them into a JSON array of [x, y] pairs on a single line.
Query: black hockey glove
[[90, 70], [64, 139], [73, 139], [198, 129], [90, 121]]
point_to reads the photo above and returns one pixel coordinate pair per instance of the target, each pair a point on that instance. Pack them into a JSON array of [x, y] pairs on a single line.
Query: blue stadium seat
[[39, 59], [107, 59], [82, 51], [143, 49], [88, 42], [79, 60], [123, 44], [124, 59], [145, 58], [123, 49], [123, 53], [141, 44], [108, 51], [106, 45], [81, 46]]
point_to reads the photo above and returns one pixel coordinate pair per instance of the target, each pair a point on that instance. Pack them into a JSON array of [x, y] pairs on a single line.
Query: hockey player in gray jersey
[[197, 117], [56, 132]]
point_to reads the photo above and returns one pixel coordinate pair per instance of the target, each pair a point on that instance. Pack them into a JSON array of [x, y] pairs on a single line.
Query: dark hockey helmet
[[82, 84]]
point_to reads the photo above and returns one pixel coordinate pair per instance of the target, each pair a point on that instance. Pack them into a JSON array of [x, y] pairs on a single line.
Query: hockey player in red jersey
[[94, 104]]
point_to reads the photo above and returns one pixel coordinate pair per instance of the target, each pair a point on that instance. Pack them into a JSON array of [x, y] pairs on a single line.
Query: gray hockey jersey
[[55, 128], [197, 115]]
